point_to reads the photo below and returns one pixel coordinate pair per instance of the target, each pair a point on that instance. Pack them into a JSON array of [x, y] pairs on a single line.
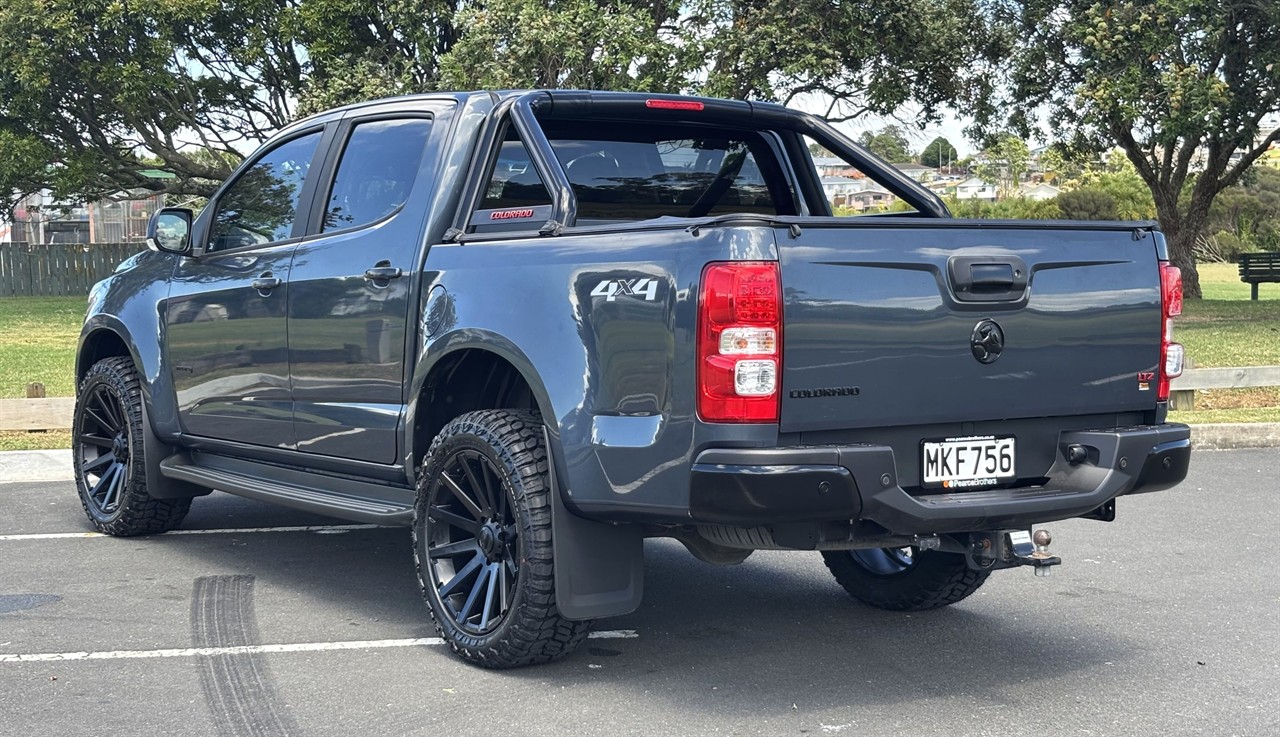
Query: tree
[[94, 92], [889, 143], [570, 44], [1246, 216], [1087, 204], [1006, 163], [938, 153], [1181, 86], [1118, 179]]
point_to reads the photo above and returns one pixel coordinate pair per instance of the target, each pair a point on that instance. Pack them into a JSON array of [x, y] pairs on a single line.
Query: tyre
[[107, 446], [904, 579], [482, 542]]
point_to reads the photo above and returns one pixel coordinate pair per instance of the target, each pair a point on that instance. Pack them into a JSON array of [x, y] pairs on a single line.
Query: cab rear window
[[623, 173]]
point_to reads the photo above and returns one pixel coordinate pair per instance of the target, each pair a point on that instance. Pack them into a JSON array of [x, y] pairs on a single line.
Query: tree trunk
[[1180, 230], [1181, 254]]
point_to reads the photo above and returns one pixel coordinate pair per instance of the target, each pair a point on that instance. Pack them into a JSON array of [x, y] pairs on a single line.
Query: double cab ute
[[540, 327]]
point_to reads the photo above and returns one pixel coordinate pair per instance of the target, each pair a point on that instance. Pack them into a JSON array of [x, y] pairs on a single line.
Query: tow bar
[[1009, 549]]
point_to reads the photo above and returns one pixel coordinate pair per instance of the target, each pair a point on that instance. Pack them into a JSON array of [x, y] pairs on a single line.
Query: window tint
[[261, 204], [622, 172], [636, 173], [514, 182], [376, 172]]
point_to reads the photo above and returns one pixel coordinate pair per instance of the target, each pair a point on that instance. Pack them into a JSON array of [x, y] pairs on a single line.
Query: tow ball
[[1010, 549]]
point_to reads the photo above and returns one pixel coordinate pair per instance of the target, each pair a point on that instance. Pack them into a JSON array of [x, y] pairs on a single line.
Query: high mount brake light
[[1171, 353], [739, 342], [674, 104]]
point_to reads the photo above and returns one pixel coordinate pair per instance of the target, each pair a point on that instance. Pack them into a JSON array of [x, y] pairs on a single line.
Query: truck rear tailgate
[[920, 322]]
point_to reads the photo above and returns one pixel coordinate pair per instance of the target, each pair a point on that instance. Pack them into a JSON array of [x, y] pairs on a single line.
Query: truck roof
[[580, 98]]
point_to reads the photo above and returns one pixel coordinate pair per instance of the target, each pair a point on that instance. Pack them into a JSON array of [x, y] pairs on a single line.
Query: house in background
[[871, 199], [918, 172], [831, 166], [119, 218], [1040, 191], [976, 189], [838, 189]]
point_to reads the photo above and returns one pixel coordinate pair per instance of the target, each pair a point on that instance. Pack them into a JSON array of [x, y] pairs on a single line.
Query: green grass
[[1249, 414], [1226, 328], [41, 440], [38, 343]]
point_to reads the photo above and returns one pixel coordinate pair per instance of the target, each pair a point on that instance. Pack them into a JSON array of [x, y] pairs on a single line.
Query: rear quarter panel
[[612, 368]]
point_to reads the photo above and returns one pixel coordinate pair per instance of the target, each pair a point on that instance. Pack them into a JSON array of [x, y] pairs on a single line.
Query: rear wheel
[[107, 441], [482, 542], [904, 579]]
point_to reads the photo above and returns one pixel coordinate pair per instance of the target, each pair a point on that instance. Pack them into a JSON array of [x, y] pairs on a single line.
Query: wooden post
[[35, 390], [1183, 400]]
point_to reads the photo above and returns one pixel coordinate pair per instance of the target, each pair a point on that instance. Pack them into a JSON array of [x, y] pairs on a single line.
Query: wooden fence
[[59, 269]]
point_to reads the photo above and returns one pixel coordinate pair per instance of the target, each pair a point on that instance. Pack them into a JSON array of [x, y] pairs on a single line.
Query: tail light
[[739, 342], [1171, 353]]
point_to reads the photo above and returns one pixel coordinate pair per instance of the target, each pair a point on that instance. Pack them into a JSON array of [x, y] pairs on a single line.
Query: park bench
[[1256, 268]]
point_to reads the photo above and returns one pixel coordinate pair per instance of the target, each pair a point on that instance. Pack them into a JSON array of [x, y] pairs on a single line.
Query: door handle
[[266, 282], [382, 272]]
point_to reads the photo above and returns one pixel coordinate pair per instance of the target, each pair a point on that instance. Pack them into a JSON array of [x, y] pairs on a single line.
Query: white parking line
[[251, 649], [321, 529]]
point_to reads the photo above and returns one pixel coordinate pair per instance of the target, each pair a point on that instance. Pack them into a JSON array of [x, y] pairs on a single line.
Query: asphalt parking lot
[[1164, 622]]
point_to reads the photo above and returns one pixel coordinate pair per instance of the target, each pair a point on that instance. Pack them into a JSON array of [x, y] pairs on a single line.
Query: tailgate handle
[[987, 278]]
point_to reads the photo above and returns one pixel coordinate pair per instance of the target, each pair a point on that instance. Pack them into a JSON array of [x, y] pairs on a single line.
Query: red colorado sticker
[[511, 214]]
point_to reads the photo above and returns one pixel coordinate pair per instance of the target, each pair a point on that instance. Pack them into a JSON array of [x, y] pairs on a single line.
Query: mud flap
[[154, 451], [599, 568]]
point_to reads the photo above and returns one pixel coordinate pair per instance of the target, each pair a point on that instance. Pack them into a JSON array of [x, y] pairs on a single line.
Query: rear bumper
[[859, 482]]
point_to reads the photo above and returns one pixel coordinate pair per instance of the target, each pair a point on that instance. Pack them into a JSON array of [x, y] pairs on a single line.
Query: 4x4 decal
[[611, 288]]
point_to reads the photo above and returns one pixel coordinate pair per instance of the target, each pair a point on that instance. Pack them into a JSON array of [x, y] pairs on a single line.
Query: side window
[[260, 206], [514, 182], [376, 172]]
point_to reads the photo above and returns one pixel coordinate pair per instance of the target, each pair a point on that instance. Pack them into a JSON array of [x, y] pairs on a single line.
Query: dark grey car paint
[[615, 380], [349, 335], [876, 308]]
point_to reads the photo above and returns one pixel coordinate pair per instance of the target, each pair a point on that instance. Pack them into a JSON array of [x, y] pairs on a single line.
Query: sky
[[951, 126]]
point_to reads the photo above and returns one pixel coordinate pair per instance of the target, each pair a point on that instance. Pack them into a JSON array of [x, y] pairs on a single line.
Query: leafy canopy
[[1181, 86], [889, 143], [938, 153], [93, 92]]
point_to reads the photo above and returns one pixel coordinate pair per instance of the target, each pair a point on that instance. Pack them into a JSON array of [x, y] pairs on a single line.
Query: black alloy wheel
[[108, 433], [103, 450], [482, 541], [473, 543], [884, 561]]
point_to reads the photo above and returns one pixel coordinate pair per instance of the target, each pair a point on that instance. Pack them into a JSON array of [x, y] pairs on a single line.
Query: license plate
[[965, 463]]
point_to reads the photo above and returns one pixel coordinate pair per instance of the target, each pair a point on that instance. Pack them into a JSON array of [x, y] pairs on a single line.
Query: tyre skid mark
[[238, 687]]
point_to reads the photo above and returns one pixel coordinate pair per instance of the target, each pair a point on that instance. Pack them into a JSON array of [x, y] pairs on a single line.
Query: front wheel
[[904, 579], [482, 542], [107, 441]]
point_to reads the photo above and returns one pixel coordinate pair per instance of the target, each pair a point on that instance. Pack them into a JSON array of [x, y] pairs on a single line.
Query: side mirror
[[170, 230]]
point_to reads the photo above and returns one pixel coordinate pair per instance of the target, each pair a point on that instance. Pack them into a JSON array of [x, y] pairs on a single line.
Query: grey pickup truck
[[540, 327]]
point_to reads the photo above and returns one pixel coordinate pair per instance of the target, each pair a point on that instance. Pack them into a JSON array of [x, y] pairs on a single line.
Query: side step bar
[[348, 499]]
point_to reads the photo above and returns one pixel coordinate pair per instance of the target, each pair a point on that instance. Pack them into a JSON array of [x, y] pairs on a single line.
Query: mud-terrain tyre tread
[[934, 580], [533, 631], [138, 513]]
